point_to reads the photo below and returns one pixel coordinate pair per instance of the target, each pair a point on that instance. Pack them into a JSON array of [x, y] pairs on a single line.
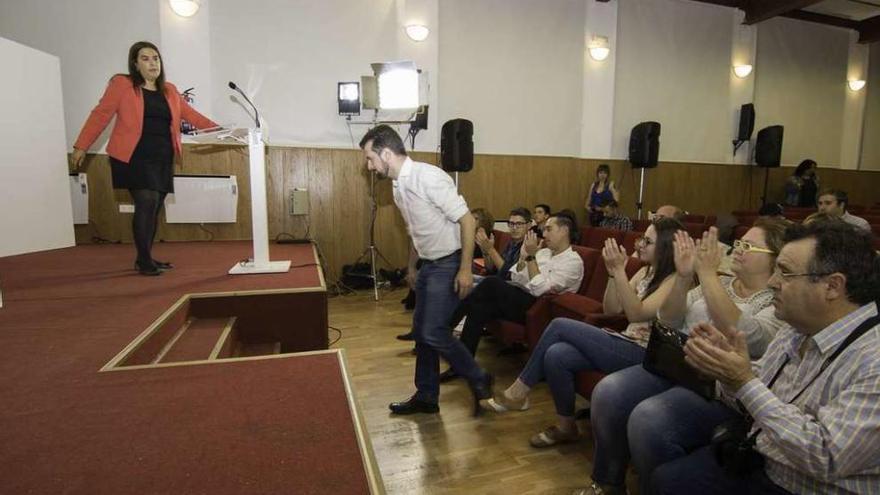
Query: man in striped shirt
[[819, 427]]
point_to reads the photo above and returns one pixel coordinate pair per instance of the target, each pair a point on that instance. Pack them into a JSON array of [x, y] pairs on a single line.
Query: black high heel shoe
[[150, 270]]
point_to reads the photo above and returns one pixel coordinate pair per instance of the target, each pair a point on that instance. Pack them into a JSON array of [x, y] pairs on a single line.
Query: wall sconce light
[[856, 84], [599, 48], [185, 8], [417, 32], [742, 71]]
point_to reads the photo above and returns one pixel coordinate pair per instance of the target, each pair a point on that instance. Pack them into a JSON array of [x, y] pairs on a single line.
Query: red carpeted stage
[[116, 383]]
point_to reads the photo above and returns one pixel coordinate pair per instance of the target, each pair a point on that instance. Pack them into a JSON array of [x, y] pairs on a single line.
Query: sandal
[[553, 436], [502, 404]]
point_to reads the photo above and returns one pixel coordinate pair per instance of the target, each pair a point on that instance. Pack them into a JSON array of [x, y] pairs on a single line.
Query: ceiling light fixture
[[742, 71]]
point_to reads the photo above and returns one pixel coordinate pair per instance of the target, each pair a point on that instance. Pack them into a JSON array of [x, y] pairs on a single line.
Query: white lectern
[[259, 217]]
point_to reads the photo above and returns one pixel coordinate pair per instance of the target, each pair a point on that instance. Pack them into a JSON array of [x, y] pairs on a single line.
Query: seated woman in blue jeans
[[628, 416], [568, 346]]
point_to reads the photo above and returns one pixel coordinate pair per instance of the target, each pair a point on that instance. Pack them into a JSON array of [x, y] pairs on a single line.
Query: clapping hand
[[486, 243], [530, 244], [614, 256], [720, 354], [708, 253], [684, 255]]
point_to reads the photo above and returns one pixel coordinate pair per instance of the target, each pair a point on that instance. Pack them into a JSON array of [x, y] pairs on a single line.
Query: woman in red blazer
[[143, 143]]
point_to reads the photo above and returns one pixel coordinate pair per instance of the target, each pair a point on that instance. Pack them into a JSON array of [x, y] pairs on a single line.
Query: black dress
[[152, 163]]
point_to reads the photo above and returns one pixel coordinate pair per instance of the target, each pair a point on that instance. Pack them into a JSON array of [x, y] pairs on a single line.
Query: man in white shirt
[[834, 203], [553, 269], [441, 230]]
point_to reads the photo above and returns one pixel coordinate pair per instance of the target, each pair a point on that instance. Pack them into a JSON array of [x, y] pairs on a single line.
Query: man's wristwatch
[[530, 258]]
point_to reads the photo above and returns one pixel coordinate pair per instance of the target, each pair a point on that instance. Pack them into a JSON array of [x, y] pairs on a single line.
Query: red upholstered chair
[[875, 227], [501, 240], [594, 237], [629, 240], [693, 218], [711, 220], [740, 231], [695, 229], [538, 316], [641, 225], [856, 209]]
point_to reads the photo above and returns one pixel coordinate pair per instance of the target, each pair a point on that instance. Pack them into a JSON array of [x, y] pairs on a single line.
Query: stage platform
[[116, 383]]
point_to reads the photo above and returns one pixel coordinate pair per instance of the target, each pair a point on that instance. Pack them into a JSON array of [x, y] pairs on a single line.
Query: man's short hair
[[484, 219], [566, 218], [545, 207], [677, 213], [841, 196], [608, 202], [842, 248], [522, 211], [383, 136]]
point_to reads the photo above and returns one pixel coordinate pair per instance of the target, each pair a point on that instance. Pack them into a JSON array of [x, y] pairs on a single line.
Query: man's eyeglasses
[[516, 224], [747, 246]]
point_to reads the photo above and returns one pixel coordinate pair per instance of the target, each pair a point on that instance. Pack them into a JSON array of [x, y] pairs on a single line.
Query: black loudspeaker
[[768, 147], [457, 145], [746, 122], [644, 145]]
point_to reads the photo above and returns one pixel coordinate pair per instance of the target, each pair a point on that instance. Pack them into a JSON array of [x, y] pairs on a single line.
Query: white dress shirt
[[431, 208], [856, 221], [560, 273]]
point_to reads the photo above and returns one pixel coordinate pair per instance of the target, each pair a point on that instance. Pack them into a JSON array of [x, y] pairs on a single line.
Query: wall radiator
[[203, 199]]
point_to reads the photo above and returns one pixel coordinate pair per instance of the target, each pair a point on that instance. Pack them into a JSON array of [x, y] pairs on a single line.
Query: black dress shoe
[[163, 265], [413, 406], [406, 336], [448, 376], [147, 269], [482, 390]]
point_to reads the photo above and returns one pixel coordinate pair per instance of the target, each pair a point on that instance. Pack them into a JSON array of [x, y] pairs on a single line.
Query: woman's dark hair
[[134, 74], [664, 253], [842, 248], [383, 136], [803, 167], [603, 168], [566, 218]]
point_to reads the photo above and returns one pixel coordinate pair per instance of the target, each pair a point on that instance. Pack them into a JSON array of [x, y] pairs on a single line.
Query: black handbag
[[665, 357]]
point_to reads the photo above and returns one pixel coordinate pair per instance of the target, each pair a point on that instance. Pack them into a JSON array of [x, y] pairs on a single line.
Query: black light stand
[[372, 250]]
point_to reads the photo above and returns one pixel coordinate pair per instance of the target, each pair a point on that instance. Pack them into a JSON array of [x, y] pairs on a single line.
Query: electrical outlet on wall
[[298, 201], [126, 208]]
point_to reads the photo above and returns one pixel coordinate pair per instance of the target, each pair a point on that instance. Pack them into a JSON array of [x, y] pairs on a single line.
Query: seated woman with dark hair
[[623, 405], [568, 347]]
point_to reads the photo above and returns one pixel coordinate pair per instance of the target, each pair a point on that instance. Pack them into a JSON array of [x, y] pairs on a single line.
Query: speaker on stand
[[768, 152], [644, 150], [457, 146]]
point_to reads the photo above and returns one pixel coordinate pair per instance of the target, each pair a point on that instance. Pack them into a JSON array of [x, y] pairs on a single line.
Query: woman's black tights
[[147, 205]]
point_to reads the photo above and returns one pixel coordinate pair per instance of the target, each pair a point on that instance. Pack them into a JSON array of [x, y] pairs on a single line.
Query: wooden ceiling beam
[[869, 30], [761, 10]]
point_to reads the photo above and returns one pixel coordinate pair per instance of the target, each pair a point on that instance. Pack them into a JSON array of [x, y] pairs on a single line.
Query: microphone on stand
[[256, 113]]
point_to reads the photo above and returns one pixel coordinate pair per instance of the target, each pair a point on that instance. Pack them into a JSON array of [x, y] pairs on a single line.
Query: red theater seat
[[594, 237]]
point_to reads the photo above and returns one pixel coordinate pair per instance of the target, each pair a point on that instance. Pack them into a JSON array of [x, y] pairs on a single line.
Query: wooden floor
[[450, 452]]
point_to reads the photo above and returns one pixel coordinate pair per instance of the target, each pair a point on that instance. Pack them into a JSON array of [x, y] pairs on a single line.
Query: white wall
[[871, 133], [517, 68], [800, 83], [90, 37], [514, 67], [34, 185], [673, 67]]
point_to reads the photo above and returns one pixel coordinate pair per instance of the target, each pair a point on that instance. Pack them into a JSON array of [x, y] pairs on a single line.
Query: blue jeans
[[637, 413], [670, 426], [700, 473], [568, 347], [436, 299]]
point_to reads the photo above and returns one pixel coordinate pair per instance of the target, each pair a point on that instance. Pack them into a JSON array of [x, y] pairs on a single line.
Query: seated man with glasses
[[499, 263], [812, 402], [552, 269]]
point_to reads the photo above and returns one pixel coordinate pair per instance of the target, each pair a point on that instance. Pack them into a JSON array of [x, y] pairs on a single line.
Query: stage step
[[245, 349], [199, 339]]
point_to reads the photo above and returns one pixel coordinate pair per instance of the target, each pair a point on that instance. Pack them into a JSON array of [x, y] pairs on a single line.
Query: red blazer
[[125, 101]]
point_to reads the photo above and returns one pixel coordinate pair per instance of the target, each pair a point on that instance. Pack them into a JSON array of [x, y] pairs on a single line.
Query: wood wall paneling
[[339, 194]]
